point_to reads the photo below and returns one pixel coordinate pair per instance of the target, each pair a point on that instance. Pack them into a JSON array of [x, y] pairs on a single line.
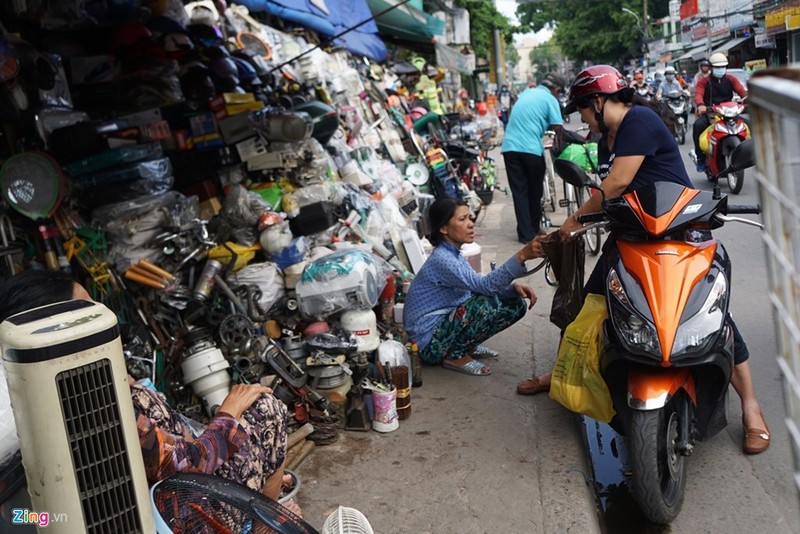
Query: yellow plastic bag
[[576, 382]]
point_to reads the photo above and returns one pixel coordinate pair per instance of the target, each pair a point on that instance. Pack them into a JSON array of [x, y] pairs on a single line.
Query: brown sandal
[[756, 440]]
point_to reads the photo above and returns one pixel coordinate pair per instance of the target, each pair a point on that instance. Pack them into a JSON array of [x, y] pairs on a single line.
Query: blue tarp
[[340, 15]]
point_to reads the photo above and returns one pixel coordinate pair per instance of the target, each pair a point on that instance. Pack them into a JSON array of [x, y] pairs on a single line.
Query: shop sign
[[688, 9], [781, 20], [765, 41], [454, 60], [755, 65]]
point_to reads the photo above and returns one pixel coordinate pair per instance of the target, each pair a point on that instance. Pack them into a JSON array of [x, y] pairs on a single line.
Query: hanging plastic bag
[[576, 382], [566, 261]]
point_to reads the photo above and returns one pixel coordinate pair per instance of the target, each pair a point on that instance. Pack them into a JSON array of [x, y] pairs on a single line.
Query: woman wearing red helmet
[[636, 149]]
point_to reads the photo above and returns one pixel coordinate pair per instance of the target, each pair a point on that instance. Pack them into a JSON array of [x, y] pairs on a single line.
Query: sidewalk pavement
[[473, 457]]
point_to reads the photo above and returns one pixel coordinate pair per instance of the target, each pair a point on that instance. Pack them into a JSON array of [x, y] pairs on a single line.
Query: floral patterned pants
[[470, 324]]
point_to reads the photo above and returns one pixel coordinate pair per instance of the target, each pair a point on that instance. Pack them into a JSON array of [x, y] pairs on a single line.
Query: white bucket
[[472, 252], [364, 325]]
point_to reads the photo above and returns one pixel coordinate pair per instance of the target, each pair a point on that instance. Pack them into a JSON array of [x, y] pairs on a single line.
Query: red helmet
[[598, 79]]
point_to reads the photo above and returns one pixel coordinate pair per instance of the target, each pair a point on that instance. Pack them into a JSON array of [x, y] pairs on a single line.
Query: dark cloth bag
[[566, 259]]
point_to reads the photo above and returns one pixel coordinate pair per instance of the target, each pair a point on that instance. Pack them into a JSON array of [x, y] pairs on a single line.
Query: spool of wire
[[400, 381]]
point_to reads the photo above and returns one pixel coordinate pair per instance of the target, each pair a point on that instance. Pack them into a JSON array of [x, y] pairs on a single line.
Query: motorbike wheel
[[682, 138], [659, 470], [592, 238], [735, 179]]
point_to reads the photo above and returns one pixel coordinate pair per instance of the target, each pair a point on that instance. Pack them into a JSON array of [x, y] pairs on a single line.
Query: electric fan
[[346, 520], [189, 503]]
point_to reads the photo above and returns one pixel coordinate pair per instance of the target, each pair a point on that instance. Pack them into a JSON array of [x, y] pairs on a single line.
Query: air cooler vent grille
[[99, 451]]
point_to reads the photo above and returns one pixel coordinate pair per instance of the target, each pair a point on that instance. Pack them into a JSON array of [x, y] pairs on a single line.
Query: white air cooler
[[77, 430]]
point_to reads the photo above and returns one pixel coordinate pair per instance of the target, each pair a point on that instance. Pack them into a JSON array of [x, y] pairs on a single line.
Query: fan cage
[[189, 503], [346, 521], [94, 430]]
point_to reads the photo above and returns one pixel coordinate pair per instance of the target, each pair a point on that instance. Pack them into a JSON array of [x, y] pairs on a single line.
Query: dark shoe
[[532, 386], [756, 440], [700, 166]]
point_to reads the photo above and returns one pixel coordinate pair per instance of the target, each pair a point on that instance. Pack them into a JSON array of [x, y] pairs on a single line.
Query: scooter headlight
[[634, 330], [700, 328]]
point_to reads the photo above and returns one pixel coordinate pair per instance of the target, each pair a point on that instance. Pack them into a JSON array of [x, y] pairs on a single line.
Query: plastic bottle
[[416, 366]]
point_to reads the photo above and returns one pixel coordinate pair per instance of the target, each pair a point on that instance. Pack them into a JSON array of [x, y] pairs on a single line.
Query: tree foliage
[[547, 57], [591, 30]]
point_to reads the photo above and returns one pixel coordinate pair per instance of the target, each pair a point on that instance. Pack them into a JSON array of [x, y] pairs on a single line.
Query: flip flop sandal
[[473, 367], [482, 353]]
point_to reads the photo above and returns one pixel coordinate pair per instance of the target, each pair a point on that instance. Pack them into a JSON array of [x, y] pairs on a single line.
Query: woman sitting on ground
[[450, 309], [245, 441]]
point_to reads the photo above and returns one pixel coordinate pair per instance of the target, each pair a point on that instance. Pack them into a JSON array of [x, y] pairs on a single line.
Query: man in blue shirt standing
[[536, 109]]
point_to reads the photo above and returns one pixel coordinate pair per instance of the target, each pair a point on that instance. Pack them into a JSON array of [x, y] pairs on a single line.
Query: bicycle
[[575, 198], [549, 199]]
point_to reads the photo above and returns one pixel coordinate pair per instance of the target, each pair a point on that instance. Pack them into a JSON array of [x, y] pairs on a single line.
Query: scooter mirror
[[570, 172], [742, 157]]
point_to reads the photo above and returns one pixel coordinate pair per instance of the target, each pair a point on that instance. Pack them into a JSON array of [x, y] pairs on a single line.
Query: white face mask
[[718, 72], [670, 77]]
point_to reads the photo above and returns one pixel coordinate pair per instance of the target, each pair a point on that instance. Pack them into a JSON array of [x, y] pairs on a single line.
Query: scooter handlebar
[[740, 209], [591, 217]]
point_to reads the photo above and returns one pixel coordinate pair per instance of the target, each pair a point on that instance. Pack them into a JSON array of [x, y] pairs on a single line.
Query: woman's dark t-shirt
[[643, 133]]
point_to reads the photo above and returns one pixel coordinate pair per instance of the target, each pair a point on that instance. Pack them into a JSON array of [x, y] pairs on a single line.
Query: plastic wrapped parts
[[345, 280], [114, 157], [283, 126]]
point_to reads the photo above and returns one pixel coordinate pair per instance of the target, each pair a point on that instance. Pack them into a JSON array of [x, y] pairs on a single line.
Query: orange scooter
[[667, 344]]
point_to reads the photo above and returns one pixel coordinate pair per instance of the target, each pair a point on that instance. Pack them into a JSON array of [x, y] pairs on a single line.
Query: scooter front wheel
[[735, 179], [659, 469]]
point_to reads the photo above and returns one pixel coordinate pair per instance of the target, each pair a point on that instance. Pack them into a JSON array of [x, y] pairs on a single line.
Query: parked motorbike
[[678, 103], [727, 131], [667, 348]]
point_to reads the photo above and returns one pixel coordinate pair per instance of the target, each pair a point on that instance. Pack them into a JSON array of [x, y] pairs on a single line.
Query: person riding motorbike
[[637, 149], [640, 85], [710, 90], [669, 84], [705, 69]]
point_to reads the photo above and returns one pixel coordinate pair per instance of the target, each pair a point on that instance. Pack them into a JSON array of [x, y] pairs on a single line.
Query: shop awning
[[406, 22], [694, 51], [329, 18], [733, 43]]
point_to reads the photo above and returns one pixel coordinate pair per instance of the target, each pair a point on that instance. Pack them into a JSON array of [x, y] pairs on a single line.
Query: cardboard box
[[235, 109], [220, 101]]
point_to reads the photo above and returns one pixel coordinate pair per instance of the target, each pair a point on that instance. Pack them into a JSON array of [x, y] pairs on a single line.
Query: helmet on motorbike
[[670, 70], [553, 80], [718, 59], [594, 80], [704, 63]]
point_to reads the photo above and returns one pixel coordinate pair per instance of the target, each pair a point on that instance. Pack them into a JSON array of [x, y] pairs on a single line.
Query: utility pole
[[645, 21], [708, 30]]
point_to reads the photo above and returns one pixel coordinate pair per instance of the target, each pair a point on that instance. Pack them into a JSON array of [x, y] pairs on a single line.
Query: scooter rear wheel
[[659, 469]]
